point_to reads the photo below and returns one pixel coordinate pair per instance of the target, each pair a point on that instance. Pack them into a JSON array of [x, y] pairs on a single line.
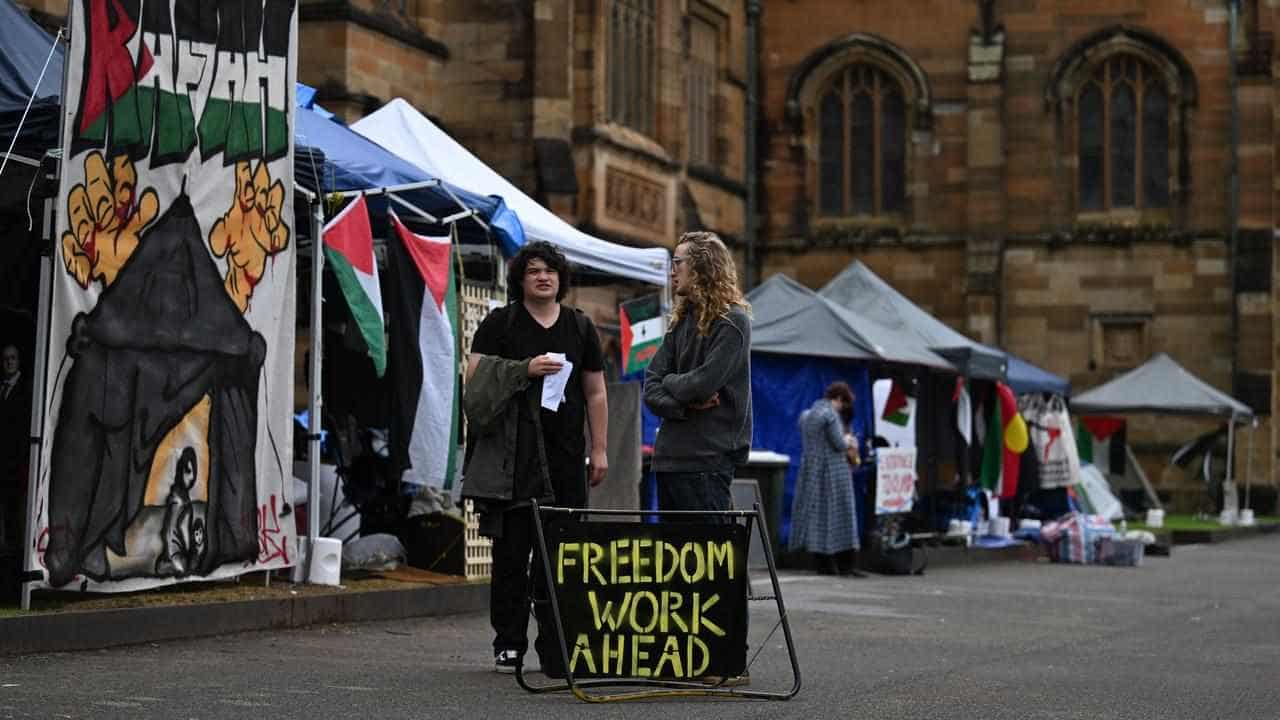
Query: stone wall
[[992, 240]]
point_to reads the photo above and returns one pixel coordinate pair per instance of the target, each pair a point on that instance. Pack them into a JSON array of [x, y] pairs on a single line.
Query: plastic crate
[[1121, 552], [479, 549]]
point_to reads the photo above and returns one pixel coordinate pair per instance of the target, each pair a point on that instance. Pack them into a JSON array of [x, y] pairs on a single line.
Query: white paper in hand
[[553, 385]]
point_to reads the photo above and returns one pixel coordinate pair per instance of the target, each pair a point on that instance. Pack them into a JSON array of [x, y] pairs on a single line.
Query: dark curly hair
[[547, 253]]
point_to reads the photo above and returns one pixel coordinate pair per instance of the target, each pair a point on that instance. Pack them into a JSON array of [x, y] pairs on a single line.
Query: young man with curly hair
[[699, 382]]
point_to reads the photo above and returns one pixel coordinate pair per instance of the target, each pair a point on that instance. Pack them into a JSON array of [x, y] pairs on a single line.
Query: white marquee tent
[[400, 128]]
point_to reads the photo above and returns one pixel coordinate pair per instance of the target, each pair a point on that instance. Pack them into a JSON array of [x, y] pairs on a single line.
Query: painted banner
[[168, 438], [651, 600], [895, 480]]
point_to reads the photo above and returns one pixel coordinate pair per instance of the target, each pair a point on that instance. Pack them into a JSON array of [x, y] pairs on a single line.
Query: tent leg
[[38, 375], [317, 402], [1231, 450], [1248, 463]]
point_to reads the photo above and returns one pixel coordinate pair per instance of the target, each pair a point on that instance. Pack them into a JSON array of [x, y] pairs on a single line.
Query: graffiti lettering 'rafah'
[[161, 78]]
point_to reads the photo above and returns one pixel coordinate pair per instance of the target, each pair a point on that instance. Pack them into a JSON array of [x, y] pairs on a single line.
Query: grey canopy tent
[[1161, 386], [860, 290], [790, 319]]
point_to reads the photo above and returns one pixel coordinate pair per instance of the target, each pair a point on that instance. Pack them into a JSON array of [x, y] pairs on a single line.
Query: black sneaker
[[506, 661]]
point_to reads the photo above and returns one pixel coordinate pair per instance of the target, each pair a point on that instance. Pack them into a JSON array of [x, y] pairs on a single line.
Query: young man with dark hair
[[515, 348]]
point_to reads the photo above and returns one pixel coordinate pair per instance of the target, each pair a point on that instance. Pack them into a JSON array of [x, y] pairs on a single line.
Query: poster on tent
[[895, 480], [167, 436]]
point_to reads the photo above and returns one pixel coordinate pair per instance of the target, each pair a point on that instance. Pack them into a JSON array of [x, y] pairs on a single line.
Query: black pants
[[512, 579]]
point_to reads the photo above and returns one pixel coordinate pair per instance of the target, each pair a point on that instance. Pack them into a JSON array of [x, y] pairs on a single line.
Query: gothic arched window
[[1122, 126], [862, 143]]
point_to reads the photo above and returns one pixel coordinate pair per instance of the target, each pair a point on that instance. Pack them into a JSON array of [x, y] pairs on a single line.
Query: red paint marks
[[273, 541]]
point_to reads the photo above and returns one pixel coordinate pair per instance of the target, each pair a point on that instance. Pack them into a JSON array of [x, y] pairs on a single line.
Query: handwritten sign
[[651, 601], [895, 480]]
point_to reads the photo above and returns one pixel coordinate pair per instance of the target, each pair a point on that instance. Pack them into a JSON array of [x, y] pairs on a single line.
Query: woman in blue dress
[[824, 516]]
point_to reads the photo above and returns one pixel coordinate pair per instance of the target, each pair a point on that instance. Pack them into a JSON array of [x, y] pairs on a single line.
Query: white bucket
[[1155, 518], [327, 568], [1000, 526], [1246, 517]]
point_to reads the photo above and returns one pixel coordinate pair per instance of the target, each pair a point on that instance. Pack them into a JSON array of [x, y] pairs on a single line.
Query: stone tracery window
[[1124, 98], [1122, 125], [861, 148]]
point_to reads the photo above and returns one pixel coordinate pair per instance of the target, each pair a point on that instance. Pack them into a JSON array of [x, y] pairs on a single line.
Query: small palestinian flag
[[642, 330], [898, 407], [348, 247]]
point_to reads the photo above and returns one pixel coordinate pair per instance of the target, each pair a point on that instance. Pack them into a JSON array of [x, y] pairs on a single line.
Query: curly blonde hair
[[713, 281]]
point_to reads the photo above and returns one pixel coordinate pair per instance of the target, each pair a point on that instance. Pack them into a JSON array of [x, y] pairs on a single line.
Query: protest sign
[[663, 601], [895, 480]]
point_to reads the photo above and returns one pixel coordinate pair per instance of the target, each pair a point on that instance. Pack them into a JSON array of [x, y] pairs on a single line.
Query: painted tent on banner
[[170, 372]]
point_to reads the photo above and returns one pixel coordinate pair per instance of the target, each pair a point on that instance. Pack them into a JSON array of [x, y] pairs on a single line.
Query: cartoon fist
[[250, 231], [105, 218]]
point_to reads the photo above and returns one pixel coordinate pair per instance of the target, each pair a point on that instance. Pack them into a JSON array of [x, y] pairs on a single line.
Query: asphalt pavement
[[1195, 635]]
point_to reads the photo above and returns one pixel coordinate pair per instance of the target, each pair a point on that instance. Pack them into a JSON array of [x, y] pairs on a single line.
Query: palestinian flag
[[348, 247], [642, 330], [898, 407], [424, 357]]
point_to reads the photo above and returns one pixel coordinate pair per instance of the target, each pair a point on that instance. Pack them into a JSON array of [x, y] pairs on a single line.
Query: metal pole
[[38, 376], [1231, 449], [317, 353], [44, 314], [1248, 462]]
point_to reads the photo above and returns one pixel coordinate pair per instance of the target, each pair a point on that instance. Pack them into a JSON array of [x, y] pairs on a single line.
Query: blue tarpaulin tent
[[782, 387], [800, 343]]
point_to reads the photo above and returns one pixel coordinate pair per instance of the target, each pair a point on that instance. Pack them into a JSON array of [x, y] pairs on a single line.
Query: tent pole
[[44, 315], [317, 353], [1231, 456], [38, 377], [1248, 462], [1231, 448]]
